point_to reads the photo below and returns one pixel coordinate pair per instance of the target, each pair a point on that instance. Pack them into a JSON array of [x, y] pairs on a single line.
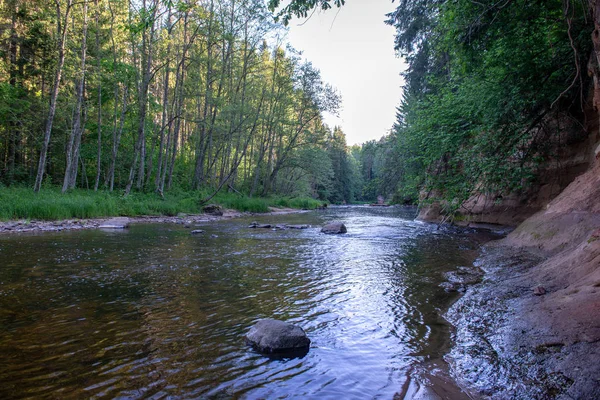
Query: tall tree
[[74, 142], [62, 26]]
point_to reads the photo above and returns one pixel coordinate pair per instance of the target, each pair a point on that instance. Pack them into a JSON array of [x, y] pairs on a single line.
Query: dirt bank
[[531, 329], [34, 226]]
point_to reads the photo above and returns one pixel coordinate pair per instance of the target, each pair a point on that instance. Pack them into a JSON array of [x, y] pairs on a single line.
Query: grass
[[51, 204]]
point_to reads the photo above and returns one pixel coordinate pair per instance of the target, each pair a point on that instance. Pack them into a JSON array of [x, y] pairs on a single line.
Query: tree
[[301, 8], [74, 142], [62, 26], [181, 94]]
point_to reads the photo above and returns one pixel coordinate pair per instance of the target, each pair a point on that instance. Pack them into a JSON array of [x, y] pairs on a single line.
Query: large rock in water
[[334, 228], [274, 336]]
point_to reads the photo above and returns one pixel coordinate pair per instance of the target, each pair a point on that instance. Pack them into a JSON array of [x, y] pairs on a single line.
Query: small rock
[[197, 232], [449, 287], [539, 290], [274, 336], [261, 226], [214, 236], [115, 223], [462, 278], [297, 226], [334, 228], [213, 209]]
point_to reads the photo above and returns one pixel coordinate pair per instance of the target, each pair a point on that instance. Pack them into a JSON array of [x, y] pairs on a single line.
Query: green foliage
[[487, 86], [343, 183], [301, 8], [51, 204], [177, 95], [243, 203]]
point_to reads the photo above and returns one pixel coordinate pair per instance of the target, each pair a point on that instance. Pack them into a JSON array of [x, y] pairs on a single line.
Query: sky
[[354, 50]]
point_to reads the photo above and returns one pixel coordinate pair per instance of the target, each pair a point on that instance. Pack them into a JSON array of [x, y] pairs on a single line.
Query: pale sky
[[354, 50]]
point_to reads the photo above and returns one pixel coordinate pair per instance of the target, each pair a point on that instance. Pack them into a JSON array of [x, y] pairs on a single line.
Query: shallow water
[[154, 312]]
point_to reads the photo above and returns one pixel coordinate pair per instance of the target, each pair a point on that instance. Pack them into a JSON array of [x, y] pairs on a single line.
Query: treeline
[[494, 91], [148, 95]]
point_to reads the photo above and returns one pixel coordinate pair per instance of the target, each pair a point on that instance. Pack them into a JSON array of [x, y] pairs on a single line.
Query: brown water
[[155, 312]]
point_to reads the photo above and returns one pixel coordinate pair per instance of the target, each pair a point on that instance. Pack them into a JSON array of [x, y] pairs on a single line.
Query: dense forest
[[150, 95], [493, 91]]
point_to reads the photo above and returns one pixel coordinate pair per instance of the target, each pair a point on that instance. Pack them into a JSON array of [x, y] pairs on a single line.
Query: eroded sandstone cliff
[[515, 340]]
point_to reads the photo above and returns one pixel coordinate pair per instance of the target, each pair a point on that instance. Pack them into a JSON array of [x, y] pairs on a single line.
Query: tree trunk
[[99, 74], [140, 145], [165, 123], [201, 151], [74, 143], [62, 37]]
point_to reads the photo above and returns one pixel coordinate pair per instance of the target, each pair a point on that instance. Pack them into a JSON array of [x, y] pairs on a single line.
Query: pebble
[[539, 290]]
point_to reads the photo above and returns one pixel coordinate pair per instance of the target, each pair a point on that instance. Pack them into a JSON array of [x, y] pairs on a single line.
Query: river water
[[155, 312]]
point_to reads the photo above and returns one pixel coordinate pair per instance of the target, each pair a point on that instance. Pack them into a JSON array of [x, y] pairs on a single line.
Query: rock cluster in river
[[255, 225]]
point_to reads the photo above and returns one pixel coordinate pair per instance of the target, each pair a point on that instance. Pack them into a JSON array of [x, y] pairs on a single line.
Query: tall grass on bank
[[51, 204]]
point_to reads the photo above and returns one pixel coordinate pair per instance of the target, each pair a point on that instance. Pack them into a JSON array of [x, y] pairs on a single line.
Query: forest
[[157, 96], [150, 96], [494, 90]]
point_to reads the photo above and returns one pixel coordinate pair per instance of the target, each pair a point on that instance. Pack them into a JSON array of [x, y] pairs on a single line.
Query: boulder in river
[[213, 209], [334, 228], [115, 223], [274, 336]]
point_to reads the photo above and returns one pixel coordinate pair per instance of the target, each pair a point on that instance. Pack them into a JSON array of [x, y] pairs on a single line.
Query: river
[[156, 312]]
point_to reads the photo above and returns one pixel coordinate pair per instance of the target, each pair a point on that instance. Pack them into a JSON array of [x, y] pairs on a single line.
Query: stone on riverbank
[[539, 290], [115, 223], [213, 209], [261, 226], [334, 228], [297, 226], [274, 336]]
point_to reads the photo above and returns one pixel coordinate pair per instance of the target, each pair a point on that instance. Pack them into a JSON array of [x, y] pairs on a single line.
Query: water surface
[[155, 312]]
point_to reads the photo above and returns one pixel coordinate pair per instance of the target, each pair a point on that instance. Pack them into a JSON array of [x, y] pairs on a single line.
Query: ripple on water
[[157, 312]]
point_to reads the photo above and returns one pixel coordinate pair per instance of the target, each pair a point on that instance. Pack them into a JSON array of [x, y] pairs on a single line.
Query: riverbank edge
[[530, 328], [39, 226]]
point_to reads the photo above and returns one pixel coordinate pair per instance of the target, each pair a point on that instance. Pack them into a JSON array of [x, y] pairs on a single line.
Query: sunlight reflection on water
[[158, 312]]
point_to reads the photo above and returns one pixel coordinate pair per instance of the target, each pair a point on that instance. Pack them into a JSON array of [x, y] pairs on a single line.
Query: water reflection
[[157, 312]]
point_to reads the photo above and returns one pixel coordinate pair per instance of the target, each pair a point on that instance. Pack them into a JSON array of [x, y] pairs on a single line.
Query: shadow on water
[[156, 312]]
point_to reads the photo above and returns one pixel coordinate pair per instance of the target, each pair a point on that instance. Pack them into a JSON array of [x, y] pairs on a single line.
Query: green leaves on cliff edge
[[488, 90]]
